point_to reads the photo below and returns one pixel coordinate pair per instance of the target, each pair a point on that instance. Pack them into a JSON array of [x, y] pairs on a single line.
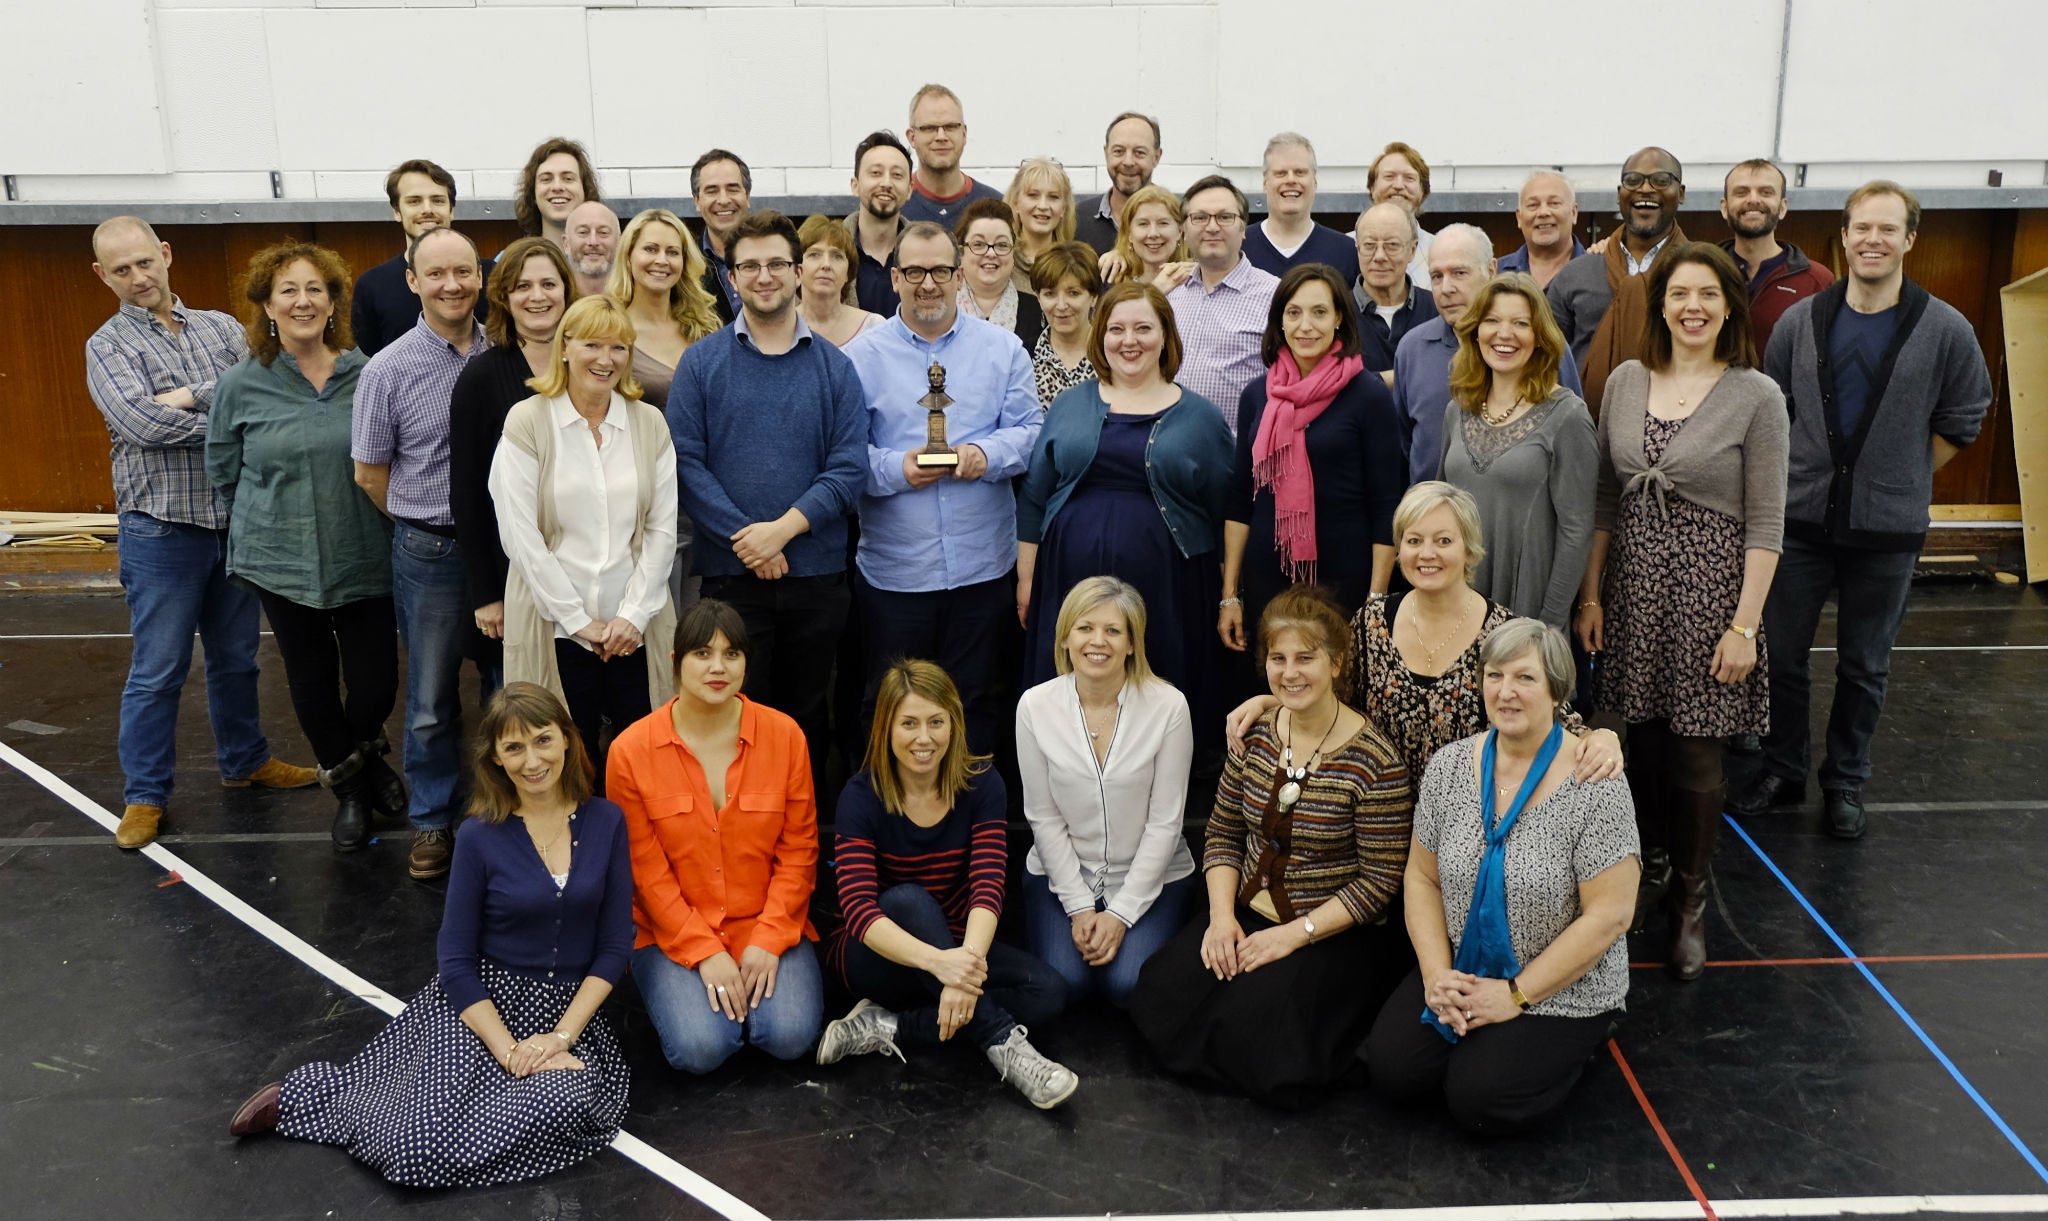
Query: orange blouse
[[707, 880]]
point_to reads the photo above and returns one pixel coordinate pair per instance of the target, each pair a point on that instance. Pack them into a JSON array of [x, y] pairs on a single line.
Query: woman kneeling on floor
[[1272, 993], [921, 860], [718, 800], [1516, 986], [501, 1069]]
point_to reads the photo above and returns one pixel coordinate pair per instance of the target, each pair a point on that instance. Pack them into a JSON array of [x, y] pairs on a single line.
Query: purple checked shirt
[[401, 418], [1220, 329]]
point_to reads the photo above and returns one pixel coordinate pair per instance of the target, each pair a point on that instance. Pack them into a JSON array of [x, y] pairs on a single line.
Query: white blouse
[[592, 576], [1111, 832]]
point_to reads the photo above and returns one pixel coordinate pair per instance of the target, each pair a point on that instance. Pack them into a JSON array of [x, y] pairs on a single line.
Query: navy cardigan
[[1187, 463], [502, 905]]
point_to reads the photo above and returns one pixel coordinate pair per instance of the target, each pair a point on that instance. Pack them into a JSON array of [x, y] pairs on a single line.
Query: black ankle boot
[[386, 790], [351, 829], [1695, 825]]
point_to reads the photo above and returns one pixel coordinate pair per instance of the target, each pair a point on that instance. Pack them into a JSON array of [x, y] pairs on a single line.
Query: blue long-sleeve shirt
[[956, 532], [502, 905], [757, 435]]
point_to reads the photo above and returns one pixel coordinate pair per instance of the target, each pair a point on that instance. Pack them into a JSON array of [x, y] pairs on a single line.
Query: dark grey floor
[[139, 1013]]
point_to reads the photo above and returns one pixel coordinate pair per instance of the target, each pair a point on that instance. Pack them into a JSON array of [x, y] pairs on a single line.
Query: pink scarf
[[1280, 456]]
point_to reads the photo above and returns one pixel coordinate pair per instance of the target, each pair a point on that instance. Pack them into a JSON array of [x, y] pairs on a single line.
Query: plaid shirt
[[160, 452], [401, 418], [1220, 331]]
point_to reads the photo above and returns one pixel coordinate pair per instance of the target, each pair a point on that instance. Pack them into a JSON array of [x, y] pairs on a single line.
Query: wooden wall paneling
[[56, 452]]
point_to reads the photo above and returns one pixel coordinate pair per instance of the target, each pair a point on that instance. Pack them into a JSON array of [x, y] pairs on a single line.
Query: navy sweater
[[1324, 245], [962, 861], [758, 434], [502, 905]]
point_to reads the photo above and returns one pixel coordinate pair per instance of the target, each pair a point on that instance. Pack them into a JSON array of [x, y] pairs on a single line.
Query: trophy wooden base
[[949, 457]]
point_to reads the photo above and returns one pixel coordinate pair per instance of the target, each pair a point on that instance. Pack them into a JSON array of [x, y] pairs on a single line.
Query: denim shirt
[[1188, 461]]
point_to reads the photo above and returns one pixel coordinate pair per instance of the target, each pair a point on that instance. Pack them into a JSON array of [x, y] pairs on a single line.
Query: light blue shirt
[[956, 532]]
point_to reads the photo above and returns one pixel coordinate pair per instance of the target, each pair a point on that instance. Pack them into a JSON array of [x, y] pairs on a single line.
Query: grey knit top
[[1729, 457]]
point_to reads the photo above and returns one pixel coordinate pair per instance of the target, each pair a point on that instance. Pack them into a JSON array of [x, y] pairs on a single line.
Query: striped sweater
[[961, 861], [1350, 829]]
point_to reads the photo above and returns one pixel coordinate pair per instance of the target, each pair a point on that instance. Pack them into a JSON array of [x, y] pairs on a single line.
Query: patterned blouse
[[1347, 839], [1568, 838], [1418, 714], [1054, 378]]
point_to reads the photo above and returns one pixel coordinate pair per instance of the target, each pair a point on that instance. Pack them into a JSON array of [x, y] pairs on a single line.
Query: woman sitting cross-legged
[[718, 800], [1104, 752], [1520, 885], [1272, 993], [920, 860], [501, 1069]]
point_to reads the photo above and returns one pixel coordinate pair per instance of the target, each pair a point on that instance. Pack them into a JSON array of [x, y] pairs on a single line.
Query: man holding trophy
[[952, 417]]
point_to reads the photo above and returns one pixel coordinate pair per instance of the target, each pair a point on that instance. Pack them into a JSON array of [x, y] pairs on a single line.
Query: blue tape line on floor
[[1990, 1112]]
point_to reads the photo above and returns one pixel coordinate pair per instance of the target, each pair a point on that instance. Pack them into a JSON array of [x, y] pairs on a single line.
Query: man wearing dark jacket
[[1884, 384], [1780, 274]]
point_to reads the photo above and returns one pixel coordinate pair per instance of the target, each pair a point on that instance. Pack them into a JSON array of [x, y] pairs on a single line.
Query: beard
[[1754, 224]]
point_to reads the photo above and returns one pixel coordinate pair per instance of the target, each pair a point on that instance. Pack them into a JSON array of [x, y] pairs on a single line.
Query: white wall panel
[[1889, 80], [218, 89], [79, 91], [126, 188], [1539, 84], [391, 100]]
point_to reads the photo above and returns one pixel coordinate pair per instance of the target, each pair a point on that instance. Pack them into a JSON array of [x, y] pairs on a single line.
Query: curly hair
[[262, 274], [524, 208]]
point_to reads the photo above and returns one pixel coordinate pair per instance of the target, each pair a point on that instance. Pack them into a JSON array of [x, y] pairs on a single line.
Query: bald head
[[133, 263], [590, 237], [1546, 212], [1386, 243]]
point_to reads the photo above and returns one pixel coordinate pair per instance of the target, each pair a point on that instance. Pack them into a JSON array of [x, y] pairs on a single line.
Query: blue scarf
[[1488, 948]]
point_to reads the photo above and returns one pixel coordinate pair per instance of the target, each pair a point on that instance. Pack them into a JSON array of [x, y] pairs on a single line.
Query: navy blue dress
[[1111, 526]]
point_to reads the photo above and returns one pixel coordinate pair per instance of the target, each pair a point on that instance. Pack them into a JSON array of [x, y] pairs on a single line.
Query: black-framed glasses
[[1201, 220], [928, 130], [981, 245], [754, 267], [1663, 180], [939, 275]]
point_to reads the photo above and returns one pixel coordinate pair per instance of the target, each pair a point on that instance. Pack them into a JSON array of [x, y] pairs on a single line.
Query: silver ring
[[721, 988]]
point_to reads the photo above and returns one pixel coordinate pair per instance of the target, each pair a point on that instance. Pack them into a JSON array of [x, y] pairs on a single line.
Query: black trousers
[[793, 630], [1495, 1079], [960, 629], [598, 691], [354, 645]]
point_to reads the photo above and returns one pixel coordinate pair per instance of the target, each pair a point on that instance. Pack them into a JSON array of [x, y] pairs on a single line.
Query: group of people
[[1114, 464]]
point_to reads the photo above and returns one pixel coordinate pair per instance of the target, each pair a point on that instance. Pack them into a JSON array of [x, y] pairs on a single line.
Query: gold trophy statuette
[[936, 452]]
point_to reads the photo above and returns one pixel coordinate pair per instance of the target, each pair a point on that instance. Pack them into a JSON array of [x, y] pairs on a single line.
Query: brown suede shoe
[[276, 774], [138, 825], [259, 1114], [430, 853]]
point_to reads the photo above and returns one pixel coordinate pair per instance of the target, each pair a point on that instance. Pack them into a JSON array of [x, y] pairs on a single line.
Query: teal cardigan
[[1187, 463]]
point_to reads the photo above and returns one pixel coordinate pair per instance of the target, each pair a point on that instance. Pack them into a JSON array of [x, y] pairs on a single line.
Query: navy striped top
[[961, 861]]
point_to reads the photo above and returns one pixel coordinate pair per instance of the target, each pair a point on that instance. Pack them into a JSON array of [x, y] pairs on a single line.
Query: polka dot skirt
[[424, 1104]]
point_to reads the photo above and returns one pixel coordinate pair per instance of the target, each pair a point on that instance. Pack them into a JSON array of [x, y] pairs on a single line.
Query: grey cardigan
[[1871, 488], [1535, 508], [1729, 457]]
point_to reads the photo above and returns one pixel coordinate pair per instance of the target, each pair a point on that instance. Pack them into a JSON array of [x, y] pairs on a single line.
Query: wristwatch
[[1747, 633], [1516, 994], [1309, 926]]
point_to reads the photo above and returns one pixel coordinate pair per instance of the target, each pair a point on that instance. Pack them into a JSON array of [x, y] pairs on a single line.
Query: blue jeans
[[1020, 988], [697, 1038], [434, 620], [176, 583], [1049, 933], [1870, 590]]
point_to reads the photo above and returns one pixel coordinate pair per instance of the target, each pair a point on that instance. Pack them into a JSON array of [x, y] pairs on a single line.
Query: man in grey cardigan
[[1884, 384]]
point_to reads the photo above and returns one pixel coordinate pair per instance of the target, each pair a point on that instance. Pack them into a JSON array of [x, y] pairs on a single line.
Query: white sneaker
[[867, 1028], [1044, 1082]]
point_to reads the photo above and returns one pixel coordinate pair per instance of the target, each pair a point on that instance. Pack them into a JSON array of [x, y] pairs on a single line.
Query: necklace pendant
[[1290, 793]]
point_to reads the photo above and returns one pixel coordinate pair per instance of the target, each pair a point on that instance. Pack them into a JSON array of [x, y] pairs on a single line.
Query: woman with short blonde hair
[[1042, 196]]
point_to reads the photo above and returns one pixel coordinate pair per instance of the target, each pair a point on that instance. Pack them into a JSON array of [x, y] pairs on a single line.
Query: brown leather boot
[[1695, 822]]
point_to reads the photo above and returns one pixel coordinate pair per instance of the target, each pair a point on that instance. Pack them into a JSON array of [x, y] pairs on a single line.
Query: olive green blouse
[[299, 526]]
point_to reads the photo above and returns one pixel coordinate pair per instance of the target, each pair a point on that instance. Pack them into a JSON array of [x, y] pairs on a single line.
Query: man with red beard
[[1780, 274]]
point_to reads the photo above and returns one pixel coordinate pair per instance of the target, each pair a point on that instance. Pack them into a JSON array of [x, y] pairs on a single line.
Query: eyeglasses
[[1663, 180], [754, 267], [939, 275], [928, 130], [981, 245], [1202, 220], [1369, 249]]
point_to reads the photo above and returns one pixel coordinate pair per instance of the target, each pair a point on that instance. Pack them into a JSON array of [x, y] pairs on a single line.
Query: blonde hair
[[694, 312], [1472, 377], [590, 318], [1085, 596], [1150, 193], [1040, 171], [914, 676], [1423, 499]]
